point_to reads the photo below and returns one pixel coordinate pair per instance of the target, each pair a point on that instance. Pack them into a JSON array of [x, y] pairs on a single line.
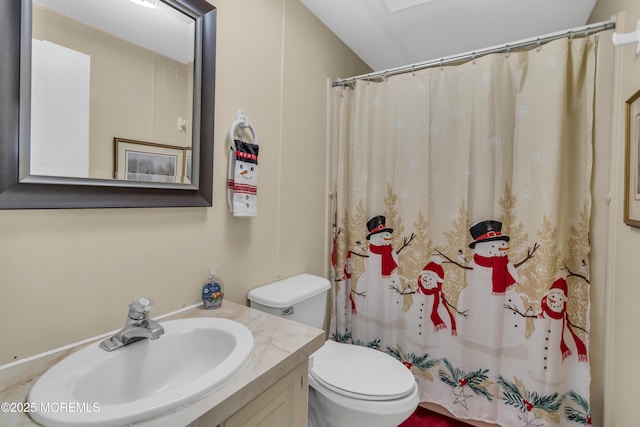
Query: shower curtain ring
[[473, 57], [508, 51], [539, 44], [441, 65]]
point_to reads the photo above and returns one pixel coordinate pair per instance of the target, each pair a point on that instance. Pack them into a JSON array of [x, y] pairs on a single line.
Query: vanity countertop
[[280, 345]]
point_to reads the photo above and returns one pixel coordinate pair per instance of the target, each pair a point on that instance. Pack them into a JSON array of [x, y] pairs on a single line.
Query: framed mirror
[[106, 107]]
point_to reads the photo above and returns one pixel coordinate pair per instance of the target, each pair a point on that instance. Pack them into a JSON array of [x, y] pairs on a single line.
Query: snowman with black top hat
[[491, 281], [382, 305]]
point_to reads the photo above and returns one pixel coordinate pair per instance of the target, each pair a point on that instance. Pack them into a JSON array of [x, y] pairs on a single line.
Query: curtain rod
[[583, 31]]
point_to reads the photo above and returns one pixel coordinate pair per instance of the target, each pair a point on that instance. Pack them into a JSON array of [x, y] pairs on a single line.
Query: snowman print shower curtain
[[460, 243]]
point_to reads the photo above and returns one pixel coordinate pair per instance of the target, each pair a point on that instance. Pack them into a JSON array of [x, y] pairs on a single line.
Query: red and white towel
[[242, 184]]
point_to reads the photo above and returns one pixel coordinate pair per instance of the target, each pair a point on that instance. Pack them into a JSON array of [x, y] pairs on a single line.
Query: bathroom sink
[[93, 387]]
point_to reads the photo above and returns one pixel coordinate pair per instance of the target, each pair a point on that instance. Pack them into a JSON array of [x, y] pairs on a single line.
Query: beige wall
[[622, 347], [67, 275]]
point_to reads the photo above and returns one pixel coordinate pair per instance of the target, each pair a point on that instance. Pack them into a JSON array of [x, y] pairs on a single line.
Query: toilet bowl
[[349, 385]]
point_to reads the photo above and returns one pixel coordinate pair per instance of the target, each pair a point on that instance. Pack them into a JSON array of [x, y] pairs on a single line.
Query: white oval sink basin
[[93, 387]]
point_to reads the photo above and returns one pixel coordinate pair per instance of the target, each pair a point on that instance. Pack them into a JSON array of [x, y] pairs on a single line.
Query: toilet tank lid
[[287, 292]]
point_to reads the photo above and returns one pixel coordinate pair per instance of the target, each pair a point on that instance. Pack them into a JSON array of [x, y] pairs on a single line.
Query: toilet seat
[[360, 372]]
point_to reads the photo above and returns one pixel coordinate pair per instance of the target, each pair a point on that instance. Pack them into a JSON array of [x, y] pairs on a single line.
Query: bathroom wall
[[621, 373], [66, 275]]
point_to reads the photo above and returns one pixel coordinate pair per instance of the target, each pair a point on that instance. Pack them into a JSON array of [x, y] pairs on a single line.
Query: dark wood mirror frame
[[17, 195]]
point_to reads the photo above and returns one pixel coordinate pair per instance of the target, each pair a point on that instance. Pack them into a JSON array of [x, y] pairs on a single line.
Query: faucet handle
[[140, 308]]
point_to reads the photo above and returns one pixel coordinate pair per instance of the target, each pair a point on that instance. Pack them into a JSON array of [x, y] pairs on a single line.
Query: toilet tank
[[301, 298]]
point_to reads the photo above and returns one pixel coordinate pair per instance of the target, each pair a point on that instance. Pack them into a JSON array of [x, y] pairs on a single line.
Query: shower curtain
[[460, 243]]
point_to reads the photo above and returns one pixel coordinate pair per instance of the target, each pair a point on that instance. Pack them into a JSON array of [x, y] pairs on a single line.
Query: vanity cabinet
[[284, 404]]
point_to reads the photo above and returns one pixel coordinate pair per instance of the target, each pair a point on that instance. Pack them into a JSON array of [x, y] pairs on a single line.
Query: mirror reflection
[[111, 91]]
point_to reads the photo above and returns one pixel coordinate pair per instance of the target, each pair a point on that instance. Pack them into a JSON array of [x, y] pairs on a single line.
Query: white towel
[[242, 184]]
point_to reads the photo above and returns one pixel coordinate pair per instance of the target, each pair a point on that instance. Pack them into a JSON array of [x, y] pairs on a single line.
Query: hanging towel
[[242, 184]]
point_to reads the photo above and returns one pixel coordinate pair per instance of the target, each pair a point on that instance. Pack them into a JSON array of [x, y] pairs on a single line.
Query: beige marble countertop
[[280, 345]]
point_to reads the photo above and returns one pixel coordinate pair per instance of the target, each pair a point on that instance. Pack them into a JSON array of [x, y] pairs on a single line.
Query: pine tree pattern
[[510, 226], [414, 258], [518, 249], [357, 241], [577, 262], [546, 264], [341, 231], [577, 268], [400, 240], [457, 242]]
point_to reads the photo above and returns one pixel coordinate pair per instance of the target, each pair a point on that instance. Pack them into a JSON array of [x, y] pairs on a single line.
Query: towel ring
[[241, 122]]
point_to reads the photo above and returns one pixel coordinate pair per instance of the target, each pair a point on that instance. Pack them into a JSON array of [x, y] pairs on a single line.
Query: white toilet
[[349, 385]]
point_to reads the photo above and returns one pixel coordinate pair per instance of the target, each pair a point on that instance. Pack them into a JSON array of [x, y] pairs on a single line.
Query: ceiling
[[163, 30], [392, 33]]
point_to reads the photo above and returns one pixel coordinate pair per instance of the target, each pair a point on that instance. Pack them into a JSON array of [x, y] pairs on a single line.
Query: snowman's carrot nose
[[388, 238], [503, 249]]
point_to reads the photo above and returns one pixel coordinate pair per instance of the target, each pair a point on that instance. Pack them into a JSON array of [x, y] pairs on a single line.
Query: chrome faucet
[[137, 327]]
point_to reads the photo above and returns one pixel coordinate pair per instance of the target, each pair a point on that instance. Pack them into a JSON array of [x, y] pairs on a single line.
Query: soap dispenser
[[212, 290]]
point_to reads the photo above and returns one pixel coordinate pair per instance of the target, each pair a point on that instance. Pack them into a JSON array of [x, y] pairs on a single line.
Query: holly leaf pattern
[[542, 407], [419, 364], [476, 380], [580, 415], [340, 337], [374, 344]]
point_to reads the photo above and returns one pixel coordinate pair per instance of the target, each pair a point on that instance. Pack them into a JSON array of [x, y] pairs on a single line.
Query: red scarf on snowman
[[566, 351], [500, 277], [437, 293], [388, 263]]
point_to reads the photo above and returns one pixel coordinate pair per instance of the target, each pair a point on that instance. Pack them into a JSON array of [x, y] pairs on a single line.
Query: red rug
[[425, 418]]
